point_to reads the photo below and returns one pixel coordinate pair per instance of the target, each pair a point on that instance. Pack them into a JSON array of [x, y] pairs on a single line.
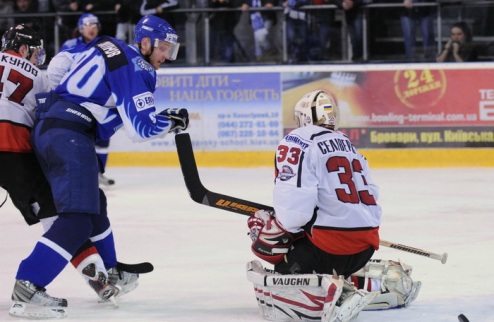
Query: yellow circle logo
[[419, 89]]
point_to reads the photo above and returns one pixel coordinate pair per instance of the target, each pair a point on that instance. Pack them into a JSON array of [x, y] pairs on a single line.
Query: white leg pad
[[397, 287], [305, 297]]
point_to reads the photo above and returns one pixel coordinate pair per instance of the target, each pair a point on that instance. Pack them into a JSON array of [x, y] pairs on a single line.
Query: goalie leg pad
[[396, 285], [305, 297], [286, 297], [349, 301]]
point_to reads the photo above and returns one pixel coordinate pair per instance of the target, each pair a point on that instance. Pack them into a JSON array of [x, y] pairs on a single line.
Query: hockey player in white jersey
[[21, 79], [110, 84], [324, 229]]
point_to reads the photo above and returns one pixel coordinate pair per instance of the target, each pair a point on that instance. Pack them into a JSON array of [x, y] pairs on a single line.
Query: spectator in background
[[320, 30], [127, 17], [160, 8], [411, 17], [67, 23], [354, 20], [6, 8], [262, 22], [460, 46], [41, 25], [26, 7], [222, 26], [296, 31]]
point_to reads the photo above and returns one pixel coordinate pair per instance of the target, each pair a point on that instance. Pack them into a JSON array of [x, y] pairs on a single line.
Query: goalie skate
[[32, 302]]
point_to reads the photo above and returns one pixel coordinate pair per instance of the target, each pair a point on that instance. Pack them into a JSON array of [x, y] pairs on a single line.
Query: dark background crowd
[[223, 32]]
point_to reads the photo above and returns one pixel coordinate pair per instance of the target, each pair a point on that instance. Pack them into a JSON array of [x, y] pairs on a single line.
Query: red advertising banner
[[397, 108]]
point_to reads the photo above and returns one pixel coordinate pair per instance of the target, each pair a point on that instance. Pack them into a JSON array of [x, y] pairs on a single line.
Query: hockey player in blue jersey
[[89, 27], [109, 85]]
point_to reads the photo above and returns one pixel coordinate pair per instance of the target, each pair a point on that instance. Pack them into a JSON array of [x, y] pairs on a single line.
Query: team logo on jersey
[[143, 101], [141, 64], [286, 173]]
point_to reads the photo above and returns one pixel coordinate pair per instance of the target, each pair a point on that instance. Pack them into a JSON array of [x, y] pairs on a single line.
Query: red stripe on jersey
[[15, 138], [83, 255], [344, 242]]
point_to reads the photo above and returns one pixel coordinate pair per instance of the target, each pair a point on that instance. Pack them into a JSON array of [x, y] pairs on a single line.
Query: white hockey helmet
[[318, 108]]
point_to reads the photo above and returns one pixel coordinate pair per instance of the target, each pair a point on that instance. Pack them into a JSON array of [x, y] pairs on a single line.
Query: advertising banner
[[382, 106], [404, 108], [228, 111]]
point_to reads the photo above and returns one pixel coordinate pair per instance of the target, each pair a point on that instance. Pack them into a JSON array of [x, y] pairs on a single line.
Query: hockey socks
[[55, 248], [44, 264]]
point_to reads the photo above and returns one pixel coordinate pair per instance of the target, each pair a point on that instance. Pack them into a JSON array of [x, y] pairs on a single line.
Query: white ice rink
[[200, 253]]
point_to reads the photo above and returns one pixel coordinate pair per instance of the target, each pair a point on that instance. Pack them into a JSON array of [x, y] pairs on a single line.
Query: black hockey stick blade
[[462, 318], [138, 268], [199, 193]]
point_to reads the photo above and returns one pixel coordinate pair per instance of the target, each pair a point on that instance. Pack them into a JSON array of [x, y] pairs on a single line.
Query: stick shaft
[[202, 195], [440, 257]]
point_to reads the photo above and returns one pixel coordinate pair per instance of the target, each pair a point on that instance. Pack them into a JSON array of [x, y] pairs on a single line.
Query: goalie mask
[[317, 108], [20, 35]]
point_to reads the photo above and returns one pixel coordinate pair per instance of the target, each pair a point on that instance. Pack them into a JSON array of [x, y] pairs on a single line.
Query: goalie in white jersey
[[326, 221]]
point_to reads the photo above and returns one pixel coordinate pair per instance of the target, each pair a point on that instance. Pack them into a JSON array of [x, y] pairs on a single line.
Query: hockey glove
[[272, 241], [179, 118], [257, 221]]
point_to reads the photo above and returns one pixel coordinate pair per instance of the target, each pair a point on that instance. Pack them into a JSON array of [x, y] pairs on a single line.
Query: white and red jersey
[[323, 186], [20, 80]]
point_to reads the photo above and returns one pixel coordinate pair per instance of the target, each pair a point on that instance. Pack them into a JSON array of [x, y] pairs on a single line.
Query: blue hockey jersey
[[115, 83]]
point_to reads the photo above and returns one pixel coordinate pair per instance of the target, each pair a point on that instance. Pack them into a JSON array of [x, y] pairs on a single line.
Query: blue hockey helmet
[[157, 29], [87, 19]]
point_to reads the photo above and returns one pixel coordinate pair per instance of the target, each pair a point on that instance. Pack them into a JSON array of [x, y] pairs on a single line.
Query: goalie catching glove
[[270, 241], [179, 117]]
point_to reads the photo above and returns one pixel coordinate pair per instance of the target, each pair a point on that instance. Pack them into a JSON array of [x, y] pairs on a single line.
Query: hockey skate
[[100, 283], [32, 302], [104, 181], [125, 281]]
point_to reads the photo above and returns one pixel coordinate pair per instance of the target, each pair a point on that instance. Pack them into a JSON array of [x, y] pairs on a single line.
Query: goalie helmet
[[20, 35], [86, 20], [317, 108], [157, 29]]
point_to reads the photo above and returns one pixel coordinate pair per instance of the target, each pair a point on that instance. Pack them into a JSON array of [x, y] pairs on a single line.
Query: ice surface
[[200, 253]]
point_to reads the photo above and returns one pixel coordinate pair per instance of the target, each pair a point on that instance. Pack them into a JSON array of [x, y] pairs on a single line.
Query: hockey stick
[[138, 268], [202, 195]]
